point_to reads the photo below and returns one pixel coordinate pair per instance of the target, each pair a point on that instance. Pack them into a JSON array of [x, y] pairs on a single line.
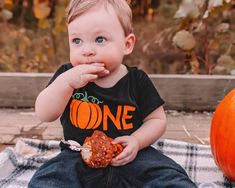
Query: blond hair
[[121, 7]]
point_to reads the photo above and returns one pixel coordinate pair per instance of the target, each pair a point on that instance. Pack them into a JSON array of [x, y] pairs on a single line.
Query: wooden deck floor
[[17, 123]]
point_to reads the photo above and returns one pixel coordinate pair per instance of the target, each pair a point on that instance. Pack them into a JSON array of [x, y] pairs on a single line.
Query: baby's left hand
[[130, 151]]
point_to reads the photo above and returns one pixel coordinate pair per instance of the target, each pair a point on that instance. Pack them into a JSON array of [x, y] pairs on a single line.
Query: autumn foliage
[[173, 36]]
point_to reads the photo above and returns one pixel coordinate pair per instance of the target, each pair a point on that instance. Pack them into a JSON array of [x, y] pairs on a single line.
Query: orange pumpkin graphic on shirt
[[83, 113]]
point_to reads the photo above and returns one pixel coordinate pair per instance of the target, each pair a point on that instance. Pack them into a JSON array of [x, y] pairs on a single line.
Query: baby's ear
[[129, 44]]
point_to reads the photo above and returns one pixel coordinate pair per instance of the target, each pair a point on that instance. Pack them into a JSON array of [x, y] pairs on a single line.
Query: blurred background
[[173, 36]]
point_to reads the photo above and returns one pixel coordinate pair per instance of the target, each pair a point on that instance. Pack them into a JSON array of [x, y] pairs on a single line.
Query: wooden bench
[[180, 92]]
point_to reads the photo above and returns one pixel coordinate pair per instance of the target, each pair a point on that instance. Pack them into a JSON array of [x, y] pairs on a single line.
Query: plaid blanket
[[19, 163]]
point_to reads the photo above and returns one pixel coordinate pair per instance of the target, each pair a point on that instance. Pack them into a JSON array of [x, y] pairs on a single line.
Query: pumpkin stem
[[85, 98]]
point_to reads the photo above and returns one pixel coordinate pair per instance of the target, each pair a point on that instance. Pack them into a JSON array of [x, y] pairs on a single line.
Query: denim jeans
[[150, 169]]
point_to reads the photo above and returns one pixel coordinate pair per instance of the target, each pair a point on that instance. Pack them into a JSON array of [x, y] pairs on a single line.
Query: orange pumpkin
[[84, 114], [222, 135]]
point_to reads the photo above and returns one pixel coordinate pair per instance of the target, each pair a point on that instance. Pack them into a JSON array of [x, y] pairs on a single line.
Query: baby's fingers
[[98, 64], [123, 154], [95, 69], [120, 140], [85, 78], [91, 69], [122, 161]]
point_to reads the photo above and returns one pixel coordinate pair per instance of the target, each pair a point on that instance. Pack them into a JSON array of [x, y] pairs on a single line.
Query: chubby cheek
[[113, 61], [74, 58]]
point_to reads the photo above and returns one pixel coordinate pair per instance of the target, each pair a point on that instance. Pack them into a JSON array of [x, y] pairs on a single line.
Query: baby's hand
[[80, 75], [130, 151]]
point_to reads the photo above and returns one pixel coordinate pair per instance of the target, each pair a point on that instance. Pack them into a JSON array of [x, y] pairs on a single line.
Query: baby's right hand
[[80, 75]]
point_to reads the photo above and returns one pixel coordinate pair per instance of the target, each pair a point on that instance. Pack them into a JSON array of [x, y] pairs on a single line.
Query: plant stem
[[207, 62]]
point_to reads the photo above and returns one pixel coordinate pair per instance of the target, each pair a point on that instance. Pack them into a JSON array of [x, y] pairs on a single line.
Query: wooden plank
[[193, 92], [23, 123], [21, 89], [180, 92]]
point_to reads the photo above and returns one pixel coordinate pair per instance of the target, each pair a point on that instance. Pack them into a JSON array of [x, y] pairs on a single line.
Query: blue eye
[[100, 40], [77, 40]]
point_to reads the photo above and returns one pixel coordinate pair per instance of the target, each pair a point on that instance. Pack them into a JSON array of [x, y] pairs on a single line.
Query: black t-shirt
[[117, 111]]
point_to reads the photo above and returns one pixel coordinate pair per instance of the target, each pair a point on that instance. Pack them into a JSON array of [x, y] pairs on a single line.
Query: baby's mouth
[[92, 63]]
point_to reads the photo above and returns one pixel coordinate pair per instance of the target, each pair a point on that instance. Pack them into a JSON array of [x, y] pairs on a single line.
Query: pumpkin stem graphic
[[84, 97]]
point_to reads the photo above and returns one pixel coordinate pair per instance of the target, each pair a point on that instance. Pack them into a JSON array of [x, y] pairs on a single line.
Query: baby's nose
[[88, 50]]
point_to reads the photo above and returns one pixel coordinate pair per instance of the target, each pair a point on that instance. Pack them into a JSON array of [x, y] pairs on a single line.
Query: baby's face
[[97, 37]]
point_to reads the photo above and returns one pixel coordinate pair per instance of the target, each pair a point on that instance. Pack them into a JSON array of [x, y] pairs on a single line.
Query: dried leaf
[[8, 4], [44, 23], [184, 40], [41, 8], [150, 14], [214, 6], [206, 14], [219, 70], [214, 44], [232, 72], [225, 60], [60, 19], [5, 15], [223, 28], [215, 3], [225, 64], [187, 8]]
